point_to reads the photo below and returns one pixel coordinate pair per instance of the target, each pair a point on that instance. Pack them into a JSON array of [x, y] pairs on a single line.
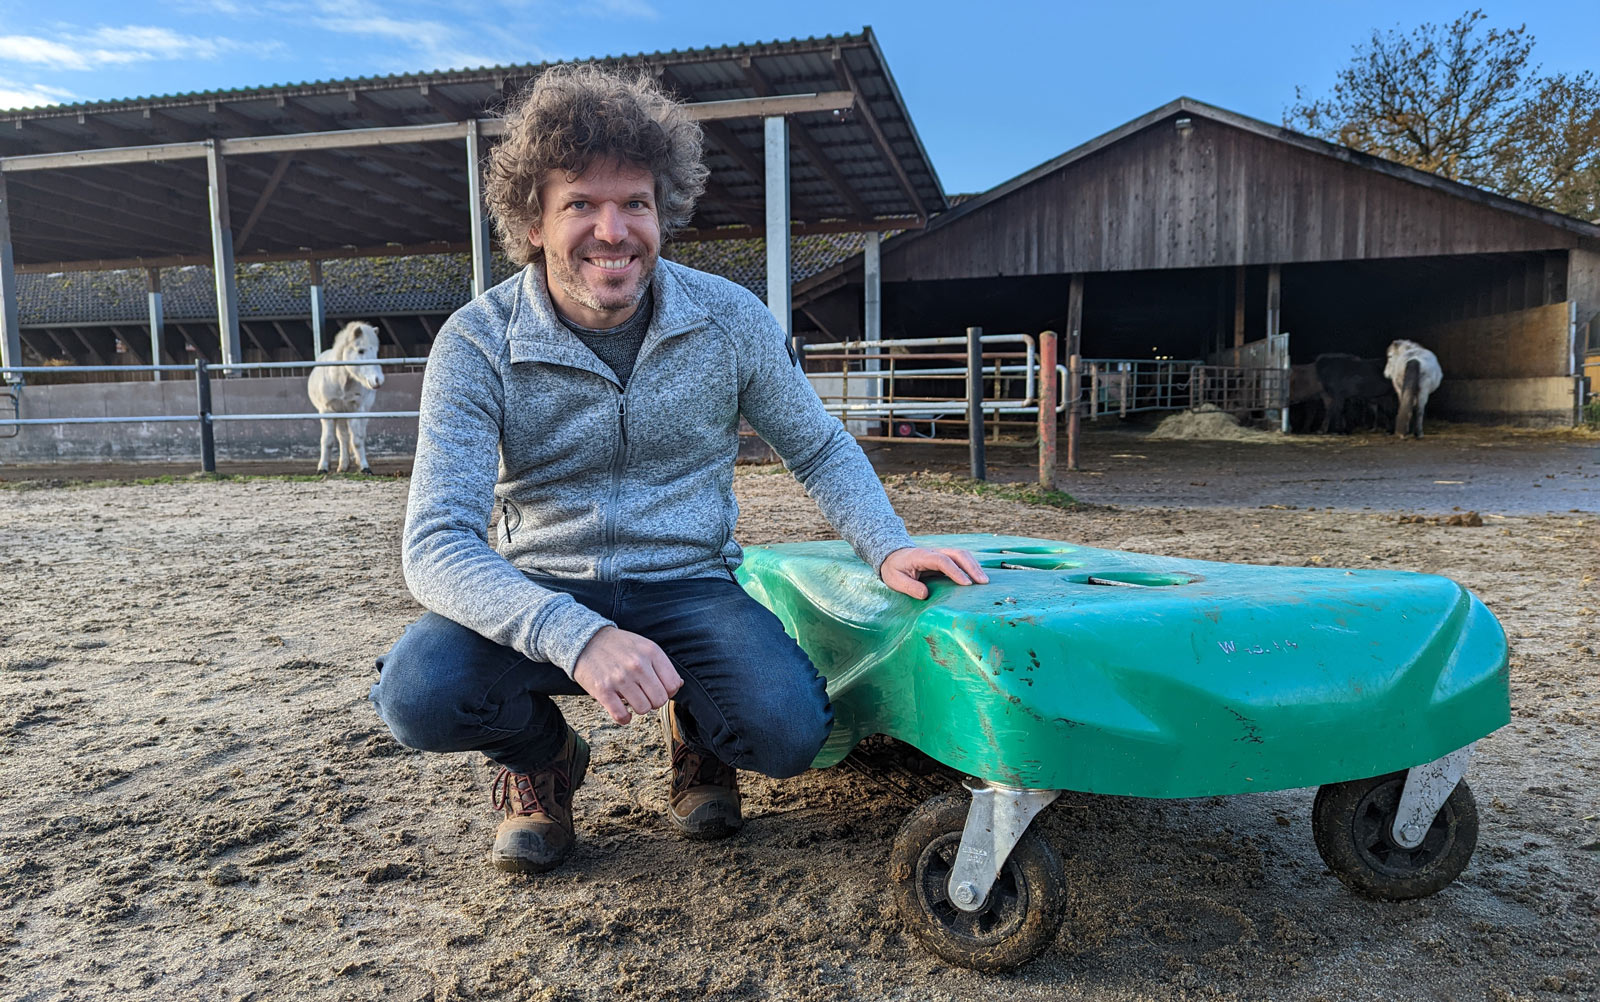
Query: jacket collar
[[538, 335]]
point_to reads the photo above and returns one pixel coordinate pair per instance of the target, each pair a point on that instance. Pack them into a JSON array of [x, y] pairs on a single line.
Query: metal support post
[[319, 312], [479, 235], [202, 388], [1047, 410], [872, 318], [777, 154], [975, 401], [152, 283], [222, 255], [10, 317]]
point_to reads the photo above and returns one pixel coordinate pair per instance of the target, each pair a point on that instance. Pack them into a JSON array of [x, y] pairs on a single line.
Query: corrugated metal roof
[[416, 193]]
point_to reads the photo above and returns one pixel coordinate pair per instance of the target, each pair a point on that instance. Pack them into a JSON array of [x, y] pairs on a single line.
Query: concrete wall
[[1544, 401], [180, 442], [1507, 368]]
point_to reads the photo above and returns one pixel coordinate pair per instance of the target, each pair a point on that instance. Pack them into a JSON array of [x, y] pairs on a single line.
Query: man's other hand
[[626, 673], [900, 569]]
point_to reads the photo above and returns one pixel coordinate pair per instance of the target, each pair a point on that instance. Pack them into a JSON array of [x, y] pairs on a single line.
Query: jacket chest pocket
[[558, 424], [682, 402]]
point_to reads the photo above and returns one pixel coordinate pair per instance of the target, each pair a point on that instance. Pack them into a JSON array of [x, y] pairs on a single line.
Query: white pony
[[346, 389], [1415, 373]]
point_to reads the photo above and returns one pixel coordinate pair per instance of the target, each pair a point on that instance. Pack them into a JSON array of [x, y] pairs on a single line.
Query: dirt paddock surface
[[197, 801]]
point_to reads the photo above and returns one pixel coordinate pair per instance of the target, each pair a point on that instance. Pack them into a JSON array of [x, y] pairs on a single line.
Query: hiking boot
[[537, 832], [703, 800]]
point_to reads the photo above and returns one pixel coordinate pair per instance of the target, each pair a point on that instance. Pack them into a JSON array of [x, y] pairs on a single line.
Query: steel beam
[[222, 255], [319, 312], [346, 139], [975, 431], [842, 70], [872, 311], [767, 107], [800, 229], [10, 319], [819, 160], [778, 288], [478, 230], [278, 170], [152, 279]]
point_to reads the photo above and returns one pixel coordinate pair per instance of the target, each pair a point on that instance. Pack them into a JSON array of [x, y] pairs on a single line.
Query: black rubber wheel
[[1018, 920], [1351, 823]]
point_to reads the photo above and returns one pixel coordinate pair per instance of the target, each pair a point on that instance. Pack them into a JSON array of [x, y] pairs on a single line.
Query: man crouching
[[594, 398]]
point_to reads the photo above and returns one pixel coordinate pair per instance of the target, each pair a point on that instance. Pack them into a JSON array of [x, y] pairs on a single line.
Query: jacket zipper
[[618, 461]]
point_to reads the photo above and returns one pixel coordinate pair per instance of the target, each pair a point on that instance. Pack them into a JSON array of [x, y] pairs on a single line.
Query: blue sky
[[994, 88]]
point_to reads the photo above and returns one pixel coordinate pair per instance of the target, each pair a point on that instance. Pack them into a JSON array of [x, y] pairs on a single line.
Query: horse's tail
[[1410, 396]]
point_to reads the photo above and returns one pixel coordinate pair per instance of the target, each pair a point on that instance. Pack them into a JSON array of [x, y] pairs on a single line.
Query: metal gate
[[1250, 377]]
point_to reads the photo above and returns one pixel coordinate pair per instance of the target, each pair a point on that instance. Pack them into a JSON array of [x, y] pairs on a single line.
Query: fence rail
[[203, 416]]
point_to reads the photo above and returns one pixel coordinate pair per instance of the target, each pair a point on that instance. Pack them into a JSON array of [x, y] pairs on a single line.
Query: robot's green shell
[[1158, 678]]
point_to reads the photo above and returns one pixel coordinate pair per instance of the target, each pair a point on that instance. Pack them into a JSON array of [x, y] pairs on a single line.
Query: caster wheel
[[1351, 823], [1017, 921]]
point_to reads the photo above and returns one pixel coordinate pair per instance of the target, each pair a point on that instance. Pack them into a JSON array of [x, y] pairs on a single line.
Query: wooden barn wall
[[1213, 195], [1583, 285]]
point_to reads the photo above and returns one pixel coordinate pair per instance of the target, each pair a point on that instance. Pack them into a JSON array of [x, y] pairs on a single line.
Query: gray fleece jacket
[[594, 482]]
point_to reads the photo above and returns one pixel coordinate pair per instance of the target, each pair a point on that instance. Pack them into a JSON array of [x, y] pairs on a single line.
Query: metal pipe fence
[[204, 416], [878, 369]]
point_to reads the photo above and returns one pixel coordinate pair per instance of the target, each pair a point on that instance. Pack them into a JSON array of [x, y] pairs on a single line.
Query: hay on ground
[[1208, 421]]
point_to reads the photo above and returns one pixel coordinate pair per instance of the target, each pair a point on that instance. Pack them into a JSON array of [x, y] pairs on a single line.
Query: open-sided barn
[[1191, 229]]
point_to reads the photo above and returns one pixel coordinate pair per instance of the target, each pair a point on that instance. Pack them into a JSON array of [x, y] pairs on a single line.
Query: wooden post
[[1047, 410], [1274, 300], [975, 402], [1274, 328], [1238, 310], [1074, 364]]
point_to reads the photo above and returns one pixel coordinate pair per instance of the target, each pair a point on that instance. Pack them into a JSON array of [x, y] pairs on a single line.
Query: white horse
[[1415, 373], [346, 389]]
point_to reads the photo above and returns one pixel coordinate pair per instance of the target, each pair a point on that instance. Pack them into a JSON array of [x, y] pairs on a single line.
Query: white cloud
[[113, 46], [14, 94], [425, 43]]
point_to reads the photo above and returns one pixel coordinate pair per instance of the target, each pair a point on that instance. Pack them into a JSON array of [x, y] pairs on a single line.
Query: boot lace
[[516, 793], [691, 768]]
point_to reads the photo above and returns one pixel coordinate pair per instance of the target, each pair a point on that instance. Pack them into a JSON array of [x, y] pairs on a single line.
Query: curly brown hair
[[574, 116]]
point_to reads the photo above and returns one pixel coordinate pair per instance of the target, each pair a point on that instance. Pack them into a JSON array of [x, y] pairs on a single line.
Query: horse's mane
[[346, 335]]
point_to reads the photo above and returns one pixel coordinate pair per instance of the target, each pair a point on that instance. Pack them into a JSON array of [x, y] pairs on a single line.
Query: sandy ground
[[197, 802]]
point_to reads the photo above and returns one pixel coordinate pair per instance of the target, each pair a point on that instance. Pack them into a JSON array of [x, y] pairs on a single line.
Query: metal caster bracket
[[995, 823], [1427, 787]]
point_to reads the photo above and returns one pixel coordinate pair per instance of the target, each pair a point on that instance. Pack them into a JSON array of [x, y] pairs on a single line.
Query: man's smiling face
[[600, 237]]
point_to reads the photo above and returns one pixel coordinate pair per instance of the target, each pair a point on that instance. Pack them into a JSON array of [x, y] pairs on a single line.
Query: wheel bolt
[[965, 894], [1412, 832]]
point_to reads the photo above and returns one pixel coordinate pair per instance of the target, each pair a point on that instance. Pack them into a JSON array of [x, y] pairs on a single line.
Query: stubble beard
[[560, 271]]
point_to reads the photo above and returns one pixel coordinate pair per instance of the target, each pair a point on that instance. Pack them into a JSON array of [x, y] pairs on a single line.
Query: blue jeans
[[750, 695]]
